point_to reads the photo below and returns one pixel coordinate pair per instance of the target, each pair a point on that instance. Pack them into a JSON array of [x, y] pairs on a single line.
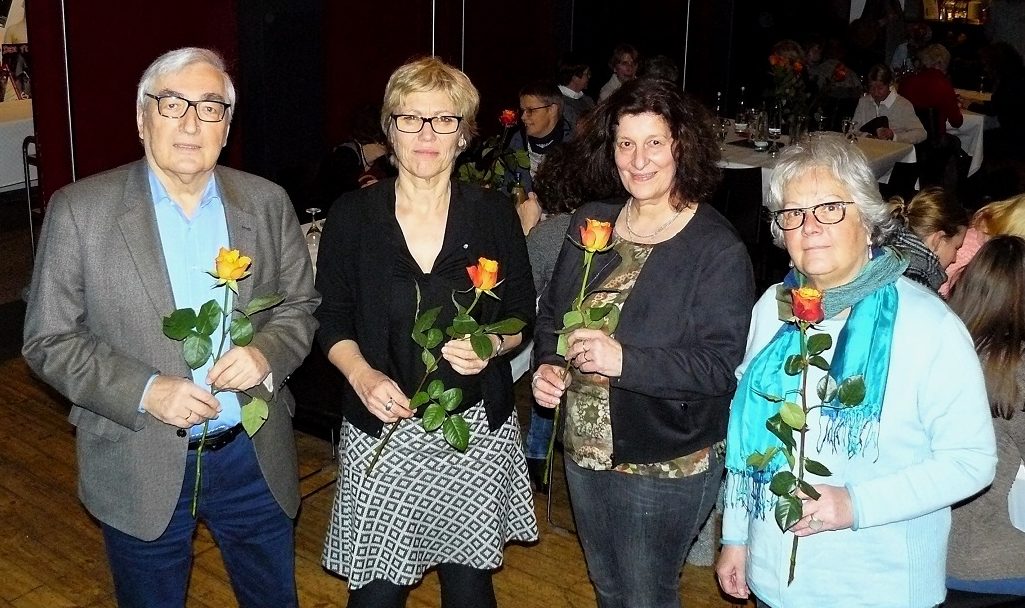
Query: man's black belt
[[217, 440]]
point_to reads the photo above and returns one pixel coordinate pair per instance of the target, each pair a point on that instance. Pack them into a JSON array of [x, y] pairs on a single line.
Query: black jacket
[[683, 330]]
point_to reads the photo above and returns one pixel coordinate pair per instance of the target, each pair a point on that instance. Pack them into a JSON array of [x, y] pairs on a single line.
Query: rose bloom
[[798, 66], [507, 118], [807, 304], [484, 275], [595, 235], [231, 265], [776, 60]]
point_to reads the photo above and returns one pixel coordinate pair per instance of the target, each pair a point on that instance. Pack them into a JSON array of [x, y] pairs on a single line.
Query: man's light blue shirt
[[190, 247]]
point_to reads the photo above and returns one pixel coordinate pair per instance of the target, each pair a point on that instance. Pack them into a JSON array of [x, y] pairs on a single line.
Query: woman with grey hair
[[868, 476]]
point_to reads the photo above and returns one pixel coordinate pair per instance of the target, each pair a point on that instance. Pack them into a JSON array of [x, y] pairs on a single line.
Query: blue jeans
[[256, 538], [636, 530], [539, 433]]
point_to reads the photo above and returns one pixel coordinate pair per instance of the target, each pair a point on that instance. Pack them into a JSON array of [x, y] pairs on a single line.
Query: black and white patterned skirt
[[426, 504]]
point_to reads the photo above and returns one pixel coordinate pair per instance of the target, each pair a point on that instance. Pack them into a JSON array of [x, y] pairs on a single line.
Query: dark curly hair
[[690, 123]]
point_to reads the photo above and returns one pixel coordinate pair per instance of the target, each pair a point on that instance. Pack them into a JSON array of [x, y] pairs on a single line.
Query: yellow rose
[[230, 266]]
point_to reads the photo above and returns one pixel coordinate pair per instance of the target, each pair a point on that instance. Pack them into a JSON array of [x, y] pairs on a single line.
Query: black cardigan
[[683, 330], [356, 262]]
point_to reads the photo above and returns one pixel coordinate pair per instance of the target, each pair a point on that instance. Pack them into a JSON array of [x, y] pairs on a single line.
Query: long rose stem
[[804, 429], [391, 430], [206, 423]]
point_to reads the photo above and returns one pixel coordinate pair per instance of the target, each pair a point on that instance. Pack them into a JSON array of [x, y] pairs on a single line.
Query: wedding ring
[[389, 405], [814, 524], [535, 378]]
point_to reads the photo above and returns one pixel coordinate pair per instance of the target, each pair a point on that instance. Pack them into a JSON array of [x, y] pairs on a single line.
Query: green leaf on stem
[[782, 430], [451, 399], [434, 337], [457, 432], [262, 303], [599, 312], [572, 317], [788, 512], [464, 325], [783, 483], [819, 362], [418, 400], [569, 329], [808, 489], [562, 346], [793, 415], [420, 338], [435, 389], [430, 362], [819, 343], [197, 350], [426, 320], [241, 331], [759, 461], [789, 453], [254, 414], [826, 389], [209, 317], [506, 327], [612, 320], [816, 468], [179, 323], [794, 365], [772, 398], [482, 345], [434, 417], [851, 391]]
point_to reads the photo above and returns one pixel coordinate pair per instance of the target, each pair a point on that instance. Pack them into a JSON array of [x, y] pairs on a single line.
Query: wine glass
[[775, 128], [850, 129], [313, 234], [740, 124], [722, 130]]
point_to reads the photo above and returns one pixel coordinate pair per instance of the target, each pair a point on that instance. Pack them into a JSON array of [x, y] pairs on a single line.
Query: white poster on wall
[[15, 67]]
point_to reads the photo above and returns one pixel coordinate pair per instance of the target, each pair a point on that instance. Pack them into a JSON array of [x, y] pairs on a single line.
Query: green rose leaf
[[457, 432], [433, 338], [789, 453], [819, 362], [426, 320], [612, 320], [819, 343], [788, 512], [434, 417], [418, 400], [794, 365], [241, 331], [209, 317], [179, 323], [569, 329], [793, 415], [816, 468], [772, 398], [809, 490], [572, 317], [420, 338], [759, 460], [430, 362], [851, 391], [783, 483], [451, 399], [464, 325], [826, 388], [782, 430], [254, 414], [506, 327], [262, 303], [482, 345], [562, 346], [598, 313], [197, 350], [435, 389]]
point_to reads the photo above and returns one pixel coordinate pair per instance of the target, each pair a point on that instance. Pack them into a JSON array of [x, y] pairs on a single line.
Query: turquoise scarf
[[862, 348]]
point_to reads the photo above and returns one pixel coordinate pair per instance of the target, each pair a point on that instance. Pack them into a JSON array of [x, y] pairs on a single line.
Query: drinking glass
[[775, 128], [313, 234], [759, 131], [850, 130], [722, 130], [741, 123]]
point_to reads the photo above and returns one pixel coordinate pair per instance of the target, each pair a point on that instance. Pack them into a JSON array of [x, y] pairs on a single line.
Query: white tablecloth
[[882, 156], [970, 133], [15, 126]]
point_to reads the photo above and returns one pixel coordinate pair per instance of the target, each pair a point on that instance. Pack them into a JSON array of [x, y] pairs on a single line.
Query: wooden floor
[[51, 552]]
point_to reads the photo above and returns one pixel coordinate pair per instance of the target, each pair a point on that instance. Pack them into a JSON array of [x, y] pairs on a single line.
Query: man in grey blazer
[[118, 252]]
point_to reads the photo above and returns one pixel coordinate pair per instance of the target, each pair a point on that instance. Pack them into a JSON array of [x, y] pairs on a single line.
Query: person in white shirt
[[574, 75], [881, 100], [624, 69]]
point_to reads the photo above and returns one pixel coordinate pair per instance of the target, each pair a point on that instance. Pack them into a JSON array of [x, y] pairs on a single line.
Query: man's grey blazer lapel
[[138, 224], [240, 228]]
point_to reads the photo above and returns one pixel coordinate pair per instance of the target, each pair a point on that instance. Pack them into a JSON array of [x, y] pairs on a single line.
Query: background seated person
[[542, 126], [931, 88], [574, 75], [882, 101], [623, 63]]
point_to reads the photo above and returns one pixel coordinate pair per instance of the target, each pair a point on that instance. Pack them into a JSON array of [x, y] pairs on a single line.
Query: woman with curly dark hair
[[646, 402]]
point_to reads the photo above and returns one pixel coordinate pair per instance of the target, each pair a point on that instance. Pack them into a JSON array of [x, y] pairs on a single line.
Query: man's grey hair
[[848, 165], [177, 60]]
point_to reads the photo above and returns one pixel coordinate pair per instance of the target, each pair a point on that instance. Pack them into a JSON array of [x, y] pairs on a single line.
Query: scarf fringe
[[748, 489], [852, 430]]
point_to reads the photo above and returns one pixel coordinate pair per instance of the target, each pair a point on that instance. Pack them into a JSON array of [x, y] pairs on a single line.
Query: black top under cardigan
[[683, 331], [365, 276]]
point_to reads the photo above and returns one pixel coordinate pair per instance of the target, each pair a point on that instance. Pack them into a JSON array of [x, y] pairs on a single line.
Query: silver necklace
[[657, 230]]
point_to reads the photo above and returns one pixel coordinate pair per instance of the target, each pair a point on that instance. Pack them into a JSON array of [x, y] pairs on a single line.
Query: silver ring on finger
[[390, 404], [814, 524]]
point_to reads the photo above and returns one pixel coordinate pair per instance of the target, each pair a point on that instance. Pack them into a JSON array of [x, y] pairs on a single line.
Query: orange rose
[[595, 235], [230, 266], [798, 66], [484, 275], [807, 304], [507, 118], [776, 60]]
